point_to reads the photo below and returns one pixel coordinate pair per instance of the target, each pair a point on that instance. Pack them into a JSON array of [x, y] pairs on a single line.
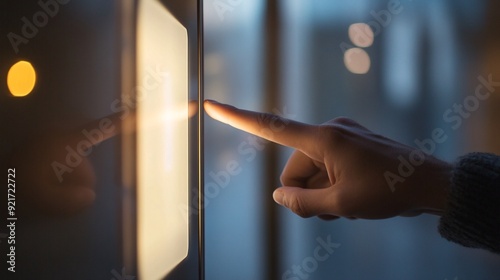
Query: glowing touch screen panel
[[162, 116]]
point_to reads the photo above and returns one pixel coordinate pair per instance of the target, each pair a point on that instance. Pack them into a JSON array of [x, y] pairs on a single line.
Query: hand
[[61, 180], [337, 168]]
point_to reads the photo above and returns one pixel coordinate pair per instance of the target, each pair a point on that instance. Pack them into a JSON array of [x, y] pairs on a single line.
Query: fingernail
[[278, 196], [211, 101]]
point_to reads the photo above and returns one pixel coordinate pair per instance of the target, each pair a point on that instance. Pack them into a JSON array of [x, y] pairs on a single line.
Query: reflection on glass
[[162, 119]]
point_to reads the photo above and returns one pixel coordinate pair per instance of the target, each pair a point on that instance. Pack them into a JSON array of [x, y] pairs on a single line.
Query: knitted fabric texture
[[473, 208]]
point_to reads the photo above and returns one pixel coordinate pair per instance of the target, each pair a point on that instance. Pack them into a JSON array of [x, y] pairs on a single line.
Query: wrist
[[436, 187]]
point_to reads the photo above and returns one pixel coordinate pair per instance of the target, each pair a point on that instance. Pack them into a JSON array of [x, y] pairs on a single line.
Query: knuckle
[[343, 121], [331, 134], [269, 123], [266, 119]]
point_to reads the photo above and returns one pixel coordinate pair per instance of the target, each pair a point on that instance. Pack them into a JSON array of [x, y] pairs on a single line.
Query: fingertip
[[86, 196], [222, 112], [78, 199], [210, 107], [210, 103], [192, 108], [278, 196]]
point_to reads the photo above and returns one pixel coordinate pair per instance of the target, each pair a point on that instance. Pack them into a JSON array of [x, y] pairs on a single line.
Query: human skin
[[337, 168]]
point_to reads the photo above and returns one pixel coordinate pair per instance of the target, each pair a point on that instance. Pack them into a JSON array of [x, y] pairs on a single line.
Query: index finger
[[268, 126]]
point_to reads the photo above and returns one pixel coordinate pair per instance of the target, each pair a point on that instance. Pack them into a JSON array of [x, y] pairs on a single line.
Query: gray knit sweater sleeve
[[472, 217]]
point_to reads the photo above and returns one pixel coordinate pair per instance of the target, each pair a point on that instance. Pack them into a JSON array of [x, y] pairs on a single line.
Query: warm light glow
[[162, 119], [21, 79], [361, 35], [357, 61]]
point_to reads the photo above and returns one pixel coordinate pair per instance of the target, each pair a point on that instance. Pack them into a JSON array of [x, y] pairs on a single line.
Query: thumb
[[305, 202]]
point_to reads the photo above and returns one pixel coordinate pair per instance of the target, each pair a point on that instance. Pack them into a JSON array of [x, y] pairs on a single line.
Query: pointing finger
[[268, 126]]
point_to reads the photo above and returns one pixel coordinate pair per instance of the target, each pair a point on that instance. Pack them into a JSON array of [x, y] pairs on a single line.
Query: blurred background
[[397, 67], [296, 58]]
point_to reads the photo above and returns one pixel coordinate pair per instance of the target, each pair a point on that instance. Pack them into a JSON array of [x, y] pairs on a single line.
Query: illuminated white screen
[[162, 119]]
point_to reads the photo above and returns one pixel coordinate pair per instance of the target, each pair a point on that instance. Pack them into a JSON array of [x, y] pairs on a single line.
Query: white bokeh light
[[361, 34], [357, 61]]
